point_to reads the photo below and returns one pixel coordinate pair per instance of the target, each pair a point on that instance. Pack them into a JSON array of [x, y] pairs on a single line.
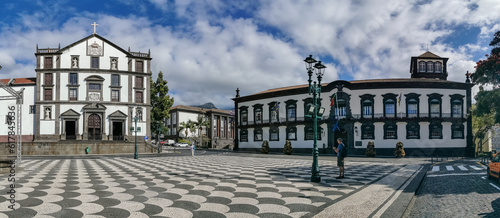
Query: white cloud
[[219, 46]]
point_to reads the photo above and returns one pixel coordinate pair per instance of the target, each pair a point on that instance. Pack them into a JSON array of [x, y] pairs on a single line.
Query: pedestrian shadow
[[496, 209]]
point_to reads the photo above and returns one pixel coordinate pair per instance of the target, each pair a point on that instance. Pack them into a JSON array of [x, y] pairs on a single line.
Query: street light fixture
[[315, 89], [135, 129]]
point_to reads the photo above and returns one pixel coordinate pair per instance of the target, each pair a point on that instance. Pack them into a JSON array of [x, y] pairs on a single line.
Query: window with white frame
[[421, 66], [439, 67]]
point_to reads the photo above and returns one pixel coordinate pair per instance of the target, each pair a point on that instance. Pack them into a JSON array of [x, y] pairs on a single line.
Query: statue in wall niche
[[113, 64], [74, 62], [47, 113]]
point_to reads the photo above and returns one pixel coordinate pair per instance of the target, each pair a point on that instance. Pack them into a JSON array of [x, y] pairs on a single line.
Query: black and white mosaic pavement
[[202, 186]]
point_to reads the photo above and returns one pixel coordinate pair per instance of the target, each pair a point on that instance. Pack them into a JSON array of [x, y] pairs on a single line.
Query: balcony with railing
[[399, 117]]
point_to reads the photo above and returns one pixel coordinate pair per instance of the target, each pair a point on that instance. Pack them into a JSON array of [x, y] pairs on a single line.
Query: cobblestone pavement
[[457, 189], [180, 186]]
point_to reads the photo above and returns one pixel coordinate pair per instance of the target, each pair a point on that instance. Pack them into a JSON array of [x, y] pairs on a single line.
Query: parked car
[[181, 144], [493, 170]]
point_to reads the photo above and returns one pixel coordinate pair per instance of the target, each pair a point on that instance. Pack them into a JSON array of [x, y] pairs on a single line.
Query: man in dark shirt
[[340, 158]]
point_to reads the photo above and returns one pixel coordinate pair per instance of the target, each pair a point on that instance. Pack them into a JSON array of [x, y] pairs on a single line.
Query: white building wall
[[27, 125], [185, 117], [380, 142]]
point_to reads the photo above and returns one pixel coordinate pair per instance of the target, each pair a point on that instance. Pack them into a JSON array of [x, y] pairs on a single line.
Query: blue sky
[[208, 48]]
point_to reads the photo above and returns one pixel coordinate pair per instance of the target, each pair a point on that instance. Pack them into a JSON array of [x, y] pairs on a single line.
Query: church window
[[257, 135], [274, 134], [457, 131], [291, 133], [94, 62], [243, 135], [73, 94], [73, 79], [32, 109], [115, 80], [390, 131], [456, 109], [367, 131], [95, 87], [47, 94], [435, 130], [47, 63], [439, 67], [138, 97], [430, 67], [48, 79], [413, 130], [138, 82], [421, 66], [115, 95], [139, 66]]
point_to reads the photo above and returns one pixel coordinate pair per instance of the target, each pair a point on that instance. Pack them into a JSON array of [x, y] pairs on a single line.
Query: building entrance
[[70, 129], [94, 127]]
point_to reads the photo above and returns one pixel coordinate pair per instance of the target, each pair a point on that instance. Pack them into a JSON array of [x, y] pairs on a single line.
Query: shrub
[[370, 150], [400, 151], [287, 149], [265, 147]]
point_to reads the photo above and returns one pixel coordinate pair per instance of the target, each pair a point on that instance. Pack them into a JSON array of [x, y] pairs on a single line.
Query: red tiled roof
[[19, 81], [197, 109], [428, 54]]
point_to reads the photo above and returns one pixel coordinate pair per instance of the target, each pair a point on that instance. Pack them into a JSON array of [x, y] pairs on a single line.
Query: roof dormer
[[429, 65]]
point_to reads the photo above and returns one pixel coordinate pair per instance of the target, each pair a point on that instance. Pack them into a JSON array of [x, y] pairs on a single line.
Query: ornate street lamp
[[315, 111], [135, 153]]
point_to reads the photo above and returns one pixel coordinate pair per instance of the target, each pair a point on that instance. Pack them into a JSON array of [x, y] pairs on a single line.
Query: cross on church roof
[[94, 24]]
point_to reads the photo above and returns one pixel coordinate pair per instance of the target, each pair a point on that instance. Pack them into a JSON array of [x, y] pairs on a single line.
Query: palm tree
[[187, 127], [200, 123]]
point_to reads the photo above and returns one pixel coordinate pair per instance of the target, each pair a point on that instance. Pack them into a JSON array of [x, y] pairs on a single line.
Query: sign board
[[146, 138]]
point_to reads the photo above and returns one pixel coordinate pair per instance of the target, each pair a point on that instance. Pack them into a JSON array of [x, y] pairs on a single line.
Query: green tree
[[188, 126], [200, 123], [488, 73], [480, 127], [161, 103]]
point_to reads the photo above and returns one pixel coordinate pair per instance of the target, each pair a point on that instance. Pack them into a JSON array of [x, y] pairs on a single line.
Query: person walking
[[192, 149], [340, 157]]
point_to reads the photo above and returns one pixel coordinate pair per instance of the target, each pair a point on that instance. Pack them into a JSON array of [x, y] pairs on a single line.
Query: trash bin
[[87, 150]]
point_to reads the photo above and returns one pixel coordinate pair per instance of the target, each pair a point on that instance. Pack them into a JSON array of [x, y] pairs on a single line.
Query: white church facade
[[426, 112], [91, 90], [91, 93]]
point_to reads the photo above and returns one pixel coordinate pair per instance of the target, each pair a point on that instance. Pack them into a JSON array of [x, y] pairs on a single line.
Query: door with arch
[[94, 127]]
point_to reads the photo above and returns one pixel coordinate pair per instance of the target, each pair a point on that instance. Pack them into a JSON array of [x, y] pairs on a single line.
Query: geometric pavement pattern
[[202, 186]]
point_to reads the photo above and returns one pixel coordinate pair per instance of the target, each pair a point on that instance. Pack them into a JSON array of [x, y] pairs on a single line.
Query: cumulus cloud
[[214, 47]]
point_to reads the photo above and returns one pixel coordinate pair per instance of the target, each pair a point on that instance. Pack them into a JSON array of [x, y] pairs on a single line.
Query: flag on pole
[[332, 101], [399, 99], [276, 106], [336, 126]]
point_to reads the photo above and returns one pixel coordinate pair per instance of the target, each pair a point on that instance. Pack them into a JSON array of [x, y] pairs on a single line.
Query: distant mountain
[[208, 105]]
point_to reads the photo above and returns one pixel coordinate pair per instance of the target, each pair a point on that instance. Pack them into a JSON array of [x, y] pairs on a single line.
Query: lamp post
[[135, 129], [315, 90], [158, 127]]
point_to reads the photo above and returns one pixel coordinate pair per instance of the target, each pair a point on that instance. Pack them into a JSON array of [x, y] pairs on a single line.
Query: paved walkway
[[203, 186]]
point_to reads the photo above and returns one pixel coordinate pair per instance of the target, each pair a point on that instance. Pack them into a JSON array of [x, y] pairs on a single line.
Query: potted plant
[[265, 147], [370, 150], [287, 149], [400, 151]]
